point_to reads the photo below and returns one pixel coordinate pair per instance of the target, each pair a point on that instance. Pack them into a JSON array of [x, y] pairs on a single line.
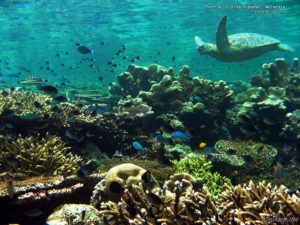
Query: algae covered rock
[[240, 159], [75, 214]]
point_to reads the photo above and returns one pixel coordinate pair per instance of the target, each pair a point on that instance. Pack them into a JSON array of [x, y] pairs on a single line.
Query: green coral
[[34, 156], [199, 167]]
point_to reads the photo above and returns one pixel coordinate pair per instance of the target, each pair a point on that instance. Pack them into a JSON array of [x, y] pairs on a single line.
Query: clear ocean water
[[33, 32]]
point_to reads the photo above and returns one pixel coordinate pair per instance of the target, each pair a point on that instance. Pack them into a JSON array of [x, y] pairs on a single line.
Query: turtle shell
[[251, 40]]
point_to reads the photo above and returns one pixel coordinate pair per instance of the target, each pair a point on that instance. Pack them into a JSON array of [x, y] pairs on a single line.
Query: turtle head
[[203, 47]]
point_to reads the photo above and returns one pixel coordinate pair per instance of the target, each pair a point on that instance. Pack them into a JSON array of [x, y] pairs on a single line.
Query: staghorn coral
[[25, 103], [181, 206], [199, 167], [35, 156], [258, 204]]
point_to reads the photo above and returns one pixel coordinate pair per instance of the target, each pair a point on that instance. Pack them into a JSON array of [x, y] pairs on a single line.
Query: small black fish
[[7, 112], [114, 65], [260, 150], [60, 98], [37, 104], [100, 78], [153, 198], [62, 64], [124, 57], [47, 62], [146, 176], [4, 93], [102, 43], [109, 62], [173, 58], [57, 54], [115, 187], [49, 89], [66, 53], [132, 60], [138, 57], [84, 50]]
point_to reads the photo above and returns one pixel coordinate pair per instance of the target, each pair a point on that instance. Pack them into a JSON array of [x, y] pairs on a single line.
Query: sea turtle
[[238, 47]]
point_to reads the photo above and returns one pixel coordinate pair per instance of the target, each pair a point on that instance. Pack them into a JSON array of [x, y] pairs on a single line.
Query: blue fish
[[71, 120], [100, 110], [196, 98], [11, 75], [180, 135], [160, 138], [138, 146], [207, 150]]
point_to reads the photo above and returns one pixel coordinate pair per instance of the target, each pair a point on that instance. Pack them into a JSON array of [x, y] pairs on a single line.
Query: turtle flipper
[[198, 41], [285, 47], [221, 35]]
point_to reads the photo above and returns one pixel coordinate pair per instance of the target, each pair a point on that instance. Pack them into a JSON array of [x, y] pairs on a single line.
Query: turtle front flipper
[[221, 35]]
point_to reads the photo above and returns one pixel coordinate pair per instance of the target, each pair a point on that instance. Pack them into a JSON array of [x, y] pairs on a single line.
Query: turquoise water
[[33, 32]]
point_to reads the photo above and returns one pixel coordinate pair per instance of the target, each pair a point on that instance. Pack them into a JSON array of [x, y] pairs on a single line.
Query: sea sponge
[[35, 156]]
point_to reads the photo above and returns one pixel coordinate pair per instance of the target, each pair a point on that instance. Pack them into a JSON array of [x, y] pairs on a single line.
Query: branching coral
[[34, 156], [258, 204], [25, 103], [199, 167]]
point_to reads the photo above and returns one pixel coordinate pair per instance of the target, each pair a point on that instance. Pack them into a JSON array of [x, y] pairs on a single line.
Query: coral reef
[[258, 204], [119, 178], [199, 167], [37, 196], [35, 156], [161, 173], [25, 103], [241, 158], [265, 107], [182, 201]]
